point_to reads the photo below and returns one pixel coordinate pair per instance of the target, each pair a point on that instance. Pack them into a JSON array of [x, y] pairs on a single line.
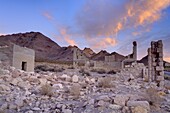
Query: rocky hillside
[[100, 56], [89, 52], [48, 50], [44, 47]]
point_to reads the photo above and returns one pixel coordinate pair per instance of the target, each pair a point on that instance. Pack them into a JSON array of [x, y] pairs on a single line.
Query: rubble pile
[[69, 92]]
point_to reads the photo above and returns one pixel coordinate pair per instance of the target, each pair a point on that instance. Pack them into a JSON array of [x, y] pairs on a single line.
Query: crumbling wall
[[78, 58], [155, 63], [6, 54]]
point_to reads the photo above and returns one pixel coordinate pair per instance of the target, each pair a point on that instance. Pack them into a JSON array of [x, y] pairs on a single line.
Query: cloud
[[67, 37], [98, 44], [143, 12], [99, 18], [167, 59], [104, 18], [48, 15]]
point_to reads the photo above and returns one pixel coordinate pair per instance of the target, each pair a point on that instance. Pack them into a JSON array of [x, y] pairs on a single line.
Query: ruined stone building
[[110, 61], [78, 57], [132, 57], [18, 57]]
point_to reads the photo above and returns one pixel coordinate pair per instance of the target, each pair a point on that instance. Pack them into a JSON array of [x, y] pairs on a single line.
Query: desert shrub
[[99, 71], [40, 68], [46, 89], [93, 70], [71, 67], [111, 72], [75, 90], [105, 82], [167, 77], [84, 73], [153, 97], [46, 68]]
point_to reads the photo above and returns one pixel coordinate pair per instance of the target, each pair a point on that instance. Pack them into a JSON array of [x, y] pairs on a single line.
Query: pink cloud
[[67, 37], [48, 15]]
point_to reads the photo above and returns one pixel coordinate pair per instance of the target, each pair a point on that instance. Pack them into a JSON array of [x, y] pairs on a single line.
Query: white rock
[[12, 106], [30, 111], [24, 85], [92, 80], [4, 87], [43, 81], [91, 101], [143, 104], [132, 77], [67, 111], [19, 102], [75, 78], [121, 99], [139, 109], [64, 76], [4, 106], [36, 109], [14, 81], [101, 103], [115, 107], [58, 85]]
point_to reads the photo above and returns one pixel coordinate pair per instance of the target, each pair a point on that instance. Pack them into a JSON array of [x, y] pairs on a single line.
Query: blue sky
[[111, 25]]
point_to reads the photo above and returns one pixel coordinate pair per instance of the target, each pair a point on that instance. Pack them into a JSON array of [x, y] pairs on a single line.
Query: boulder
[[139, 109], [121, 99], [75, 78], [142, 104], [4, 87]]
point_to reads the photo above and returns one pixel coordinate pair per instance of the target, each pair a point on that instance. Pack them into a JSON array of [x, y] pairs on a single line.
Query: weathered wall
[[107, 65], [21, 54], [6, 54]]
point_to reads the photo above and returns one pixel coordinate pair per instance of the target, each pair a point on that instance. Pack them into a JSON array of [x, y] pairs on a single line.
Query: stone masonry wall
[[155, 63]]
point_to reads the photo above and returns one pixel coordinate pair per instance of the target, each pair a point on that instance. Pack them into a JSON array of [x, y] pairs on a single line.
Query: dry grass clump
[[47, 89], [105, 82], [75, 90], [153, 97]]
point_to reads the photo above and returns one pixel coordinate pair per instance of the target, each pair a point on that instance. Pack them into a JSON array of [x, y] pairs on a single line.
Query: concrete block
[[160, 78], [159, 68]]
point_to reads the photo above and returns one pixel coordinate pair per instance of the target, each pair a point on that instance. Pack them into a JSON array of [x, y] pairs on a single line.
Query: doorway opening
[[24, 66]]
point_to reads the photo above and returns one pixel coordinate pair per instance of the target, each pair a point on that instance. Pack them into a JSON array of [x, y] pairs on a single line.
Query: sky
[[110, 25]]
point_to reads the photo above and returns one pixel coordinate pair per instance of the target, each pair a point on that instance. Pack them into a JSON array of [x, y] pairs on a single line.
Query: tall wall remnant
[[155, 63], [132, 57]]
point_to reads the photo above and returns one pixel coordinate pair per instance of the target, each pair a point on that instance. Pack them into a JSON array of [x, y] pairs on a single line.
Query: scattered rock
[[121, 99], [75, 78], [139, 109], [142, 104]]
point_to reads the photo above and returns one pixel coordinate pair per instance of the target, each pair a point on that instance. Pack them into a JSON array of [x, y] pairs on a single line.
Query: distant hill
[[144, 60], [48, 50], [89, 52], [118, 56], [100, 56]]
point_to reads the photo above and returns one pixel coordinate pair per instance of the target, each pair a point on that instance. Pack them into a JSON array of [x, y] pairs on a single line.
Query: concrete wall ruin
[[18, 57]]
